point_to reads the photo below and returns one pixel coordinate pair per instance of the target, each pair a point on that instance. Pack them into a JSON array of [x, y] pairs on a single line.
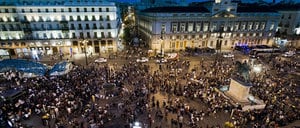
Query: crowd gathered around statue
[[177, 95]]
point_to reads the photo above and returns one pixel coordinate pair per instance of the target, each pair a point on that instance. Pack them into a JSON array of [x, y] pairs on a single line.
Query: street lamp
[[84, 46], [219, 43], [161, 49]]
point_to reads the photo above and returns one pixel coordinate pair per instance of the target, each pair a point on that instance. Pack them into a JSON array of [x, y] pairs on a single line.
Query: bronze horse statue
[[243, 69]]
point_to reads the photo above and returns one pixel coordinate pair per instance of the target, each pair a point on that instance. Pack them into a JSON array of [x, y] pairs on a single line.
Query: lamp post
[[161, 49], [84, 48]]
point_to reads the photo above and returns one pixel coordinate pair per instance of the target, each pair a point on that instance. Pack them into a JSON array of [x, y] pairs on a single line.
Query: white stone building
[[221, 22], [59, 27], [289, 26]]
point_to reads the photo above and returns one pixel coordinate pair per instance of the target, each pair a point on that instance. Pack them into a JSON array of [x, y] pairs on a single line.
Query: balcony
[[25, 22], [65, 29], [63, 22], [27, 30]]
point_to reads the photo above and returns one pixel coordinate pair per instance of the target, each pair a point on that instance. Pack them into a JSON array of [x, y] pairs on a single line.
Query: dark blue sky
[[297, 1]]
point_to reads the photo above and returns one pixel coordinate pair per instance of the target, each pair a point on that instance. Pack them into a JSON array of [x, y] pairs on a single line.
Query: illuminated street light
[[257, 68], [136, 125]]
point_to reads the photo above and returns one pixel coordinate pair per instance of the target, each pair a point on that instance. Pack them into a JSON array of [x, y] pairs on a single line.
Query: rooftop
[[254, 8], [176, 9]]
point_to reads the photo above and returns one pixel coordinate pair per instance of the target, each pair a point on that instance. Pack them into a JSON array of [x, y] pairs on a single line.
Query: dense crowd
[[102, 95]]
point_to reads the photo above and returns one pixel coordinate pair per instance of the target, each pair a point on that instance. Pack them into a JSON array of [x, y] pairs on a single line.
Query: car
[[162, 60], [101, 60], [289, 54], [142, 60], [228, 55]]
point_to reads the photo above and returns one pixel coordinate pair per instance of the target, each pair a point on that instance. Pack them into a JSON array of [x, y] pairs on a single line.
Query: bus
[[264, 51]]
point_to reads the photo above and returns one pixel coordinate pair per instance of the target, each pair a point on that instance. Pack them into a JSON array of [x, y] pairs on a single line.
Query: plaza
[[151, 96]]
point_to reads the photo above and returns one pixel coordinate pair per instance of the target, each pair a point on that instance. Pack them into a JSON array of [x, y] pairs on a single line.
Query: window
[[108, 26], [225, 43], [272, 26], [79, 26], [191, 27], [85, 10], [6, 10], [95, 35], [94, 26], [109, 42], [101, 18], [93, 18], [163, 28], [39, 10], [101, 26], [47, 10], [109, 35], [103, 42], [174, 27], [102, 35], [182, 27], [100, 9], [54, 10], [107, 9], [107, 18], [77, 9], [198, 27], [93, 10], [211, 43], [78, 18], [86, 18], [70, 9], [25, 18], [45, 36], [23, 10], [30, 10], [73, 35], [87, 26], [14, 10], [62, 10], [72, 26], [88, 35], [71, 18], [49, 26], [81, 34]]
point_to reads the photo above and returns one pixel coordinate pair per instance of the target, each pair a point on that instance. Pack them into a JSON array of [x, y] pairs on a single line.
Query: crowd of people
[[176, 95]]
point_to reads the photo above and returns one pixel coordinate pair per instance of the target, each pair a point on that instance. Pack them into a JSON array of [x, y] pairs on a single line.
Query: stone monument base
[[238, 93]]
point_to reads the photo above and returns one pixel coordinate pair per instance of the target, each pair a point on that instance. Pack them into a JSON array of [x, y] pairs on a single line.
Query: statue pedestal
[[239, 93], [238, 90]]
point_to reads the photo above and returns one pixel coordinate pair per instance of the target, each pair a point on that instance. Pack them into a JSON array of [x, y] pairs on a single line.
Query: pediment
[[224, 14]]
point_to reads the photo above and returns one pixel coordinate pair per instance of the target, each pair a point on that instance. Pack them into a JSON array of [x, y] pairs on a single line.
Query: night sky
[[132, 1]]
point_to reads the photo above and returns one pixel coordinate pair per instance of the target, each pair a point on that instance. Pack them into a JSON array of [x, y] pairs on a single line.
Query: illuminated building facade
[[220, 22], [58, 27], [289, 27]]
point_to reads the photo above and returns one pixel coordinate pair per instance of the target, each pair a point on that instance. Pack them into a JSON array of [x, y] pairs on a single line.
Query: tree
[[127, 35]]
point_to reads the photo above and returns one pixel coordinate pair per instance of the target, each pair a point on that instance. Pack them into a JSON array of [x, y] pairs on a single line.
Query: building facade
[[289, 27], [59, 27], [221, 23]]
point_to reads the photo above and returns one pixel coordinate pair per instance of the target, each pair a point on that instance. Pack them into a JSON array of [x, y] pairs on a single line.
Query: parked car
[[142, 60], [228, 55], [289, 54], [101, 60], [162, 60]]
